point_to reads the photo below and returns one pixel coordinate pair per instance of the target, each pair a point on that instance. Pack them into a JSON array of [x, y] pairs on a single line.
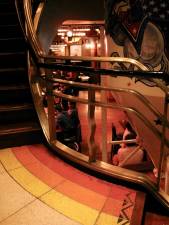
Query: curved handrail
[[98, 166], [96, 59], [106, 105], [130, 91], [31, 31]]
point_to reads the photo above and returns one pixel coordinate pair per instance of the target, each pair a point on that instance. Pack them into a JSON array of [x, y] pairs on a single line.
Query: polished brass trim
[[98, 166]]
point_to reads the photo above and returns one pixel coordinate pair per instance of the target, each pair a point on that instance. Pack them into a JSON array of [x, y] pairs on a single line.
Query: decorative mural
[[141, 28]]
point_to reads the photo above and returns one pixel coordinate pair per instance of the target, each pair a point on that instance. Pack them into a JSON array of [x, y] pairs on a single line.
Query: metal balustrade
[[41, 78]]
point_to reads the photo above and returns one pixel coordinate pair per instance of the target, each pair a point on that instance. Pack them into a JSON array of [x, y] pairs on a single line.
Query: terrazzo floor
[[38, 188]]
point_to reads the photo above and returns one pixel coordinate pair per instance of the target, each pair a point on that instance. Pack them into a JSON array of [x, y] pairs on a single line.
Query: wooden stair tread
[[19, 128], [19, 122], [8, 25], [12, 53], [12, 38], [13, 106], [14, 87], [12, 69]]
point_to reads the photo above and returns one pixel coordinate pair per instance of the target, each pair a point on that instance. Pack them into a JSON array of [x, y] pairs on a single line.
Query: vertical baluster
[[51, 110], [92, 126], [104, 127], [162, 161], [167, 176], [104, 79]]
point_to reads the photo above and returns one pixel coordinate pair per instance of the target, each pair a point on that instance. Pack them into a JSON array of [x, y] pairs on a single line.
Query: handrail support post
[[92, 126]]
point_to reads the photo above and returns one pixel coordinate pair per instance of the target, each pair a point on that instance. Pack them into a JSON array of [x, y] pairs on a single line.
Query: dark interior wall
[[57, 11]]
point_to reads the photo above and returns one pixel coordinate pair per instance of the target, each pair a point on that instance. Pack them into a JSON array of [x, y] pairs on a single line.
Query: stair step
[[14, 107], [19, 124], [18, 127], [20, 134], [13, 76], [8, 18], [6, 6], [16, 59], [14, 88], [10, 31], [12, 45], [7, 1], [10, 1], [22, 112], [15, 94]]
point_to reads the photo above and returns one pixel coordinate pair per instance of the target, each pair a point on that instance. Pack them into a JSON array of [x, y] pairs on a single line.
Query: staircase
[[19, 123]]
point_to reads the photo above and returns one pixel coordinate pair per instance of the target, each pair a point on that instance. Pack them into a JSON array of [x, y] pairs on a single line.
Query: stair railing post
[[92, 125], [50, 108], [104, 124], [162, 161], [167, 176]]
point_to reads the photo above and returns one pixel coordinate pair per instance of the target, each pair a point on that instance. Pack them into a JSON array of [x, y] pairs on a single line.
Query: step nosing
[[12, 53], [18, 130], [11, 38], [16, 108]]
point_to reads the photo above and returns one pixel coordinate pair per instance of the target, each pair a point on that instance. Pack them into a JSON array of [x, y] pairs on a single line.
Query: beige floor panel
[[2, 170], [72, 209], [14, 198], [8, 159], [38, 213], [29, 182]]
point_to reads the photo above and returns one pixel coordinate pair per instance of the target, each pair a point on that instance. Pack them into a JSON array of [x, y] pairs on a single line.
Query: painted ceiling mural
[[141, 27]]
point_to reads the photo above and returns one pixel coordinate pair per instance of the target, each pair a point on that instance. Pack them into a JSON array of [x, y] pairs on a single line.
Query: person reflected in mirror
[[75, 121], [63, 124], [127, 129], [128, 153]]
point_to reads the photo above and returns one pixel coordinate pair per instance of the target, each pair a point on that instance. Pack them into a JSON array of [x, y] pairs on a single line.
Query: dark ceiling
[[57, 11]]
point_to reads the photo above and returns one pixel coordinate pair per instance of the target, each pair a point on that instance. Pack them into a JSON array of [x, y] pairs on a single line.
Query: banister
[[44, 63], [96, 87]]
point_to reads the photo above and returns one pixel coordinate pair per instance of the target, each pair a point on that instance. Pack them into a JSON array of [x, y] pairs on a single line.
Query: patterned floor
[[37, 188]]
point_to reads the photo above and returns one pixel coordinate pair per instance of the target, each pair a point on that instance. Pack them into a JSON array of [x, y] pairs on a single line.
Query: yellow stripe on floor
[[71, 208], [61, 203], [21, 175], [8, 159], [29, 182]]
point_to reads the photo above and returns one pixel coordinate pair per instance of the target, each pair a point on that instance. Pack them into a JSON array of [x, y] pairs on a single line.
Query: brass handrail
[[118, 172], [130, 91]]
